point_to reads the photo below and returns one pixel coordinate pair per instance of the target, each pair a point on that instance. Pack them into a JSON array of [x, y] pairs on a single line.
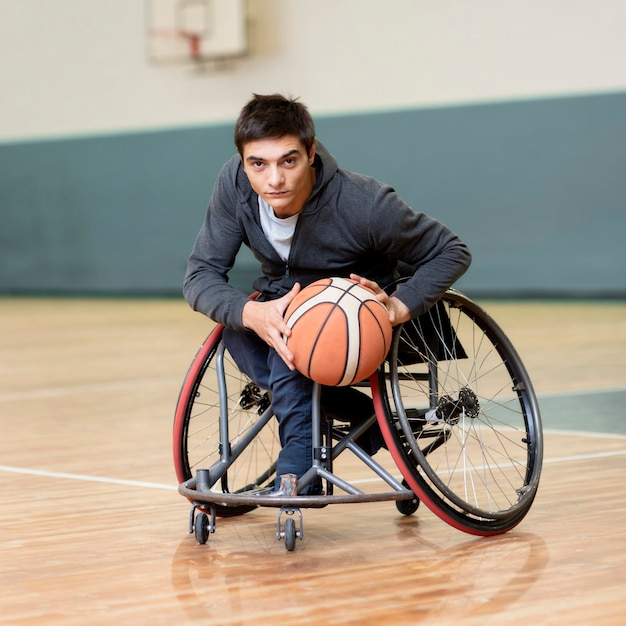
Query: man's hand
[[266, 320], [398, 311]]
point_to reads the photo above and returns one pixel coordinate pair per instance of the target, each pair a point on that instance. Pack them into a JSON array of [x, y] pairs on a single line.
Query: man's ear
[[312, 152]]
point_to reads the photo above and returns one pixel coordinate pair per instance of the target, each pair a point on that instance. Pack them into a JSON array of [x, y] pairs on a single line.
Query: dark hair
[[272, 117]]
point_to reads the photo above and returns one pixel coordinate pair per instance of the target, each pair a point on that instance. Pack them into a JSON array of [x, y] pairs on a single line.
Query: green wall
[[537, 188]]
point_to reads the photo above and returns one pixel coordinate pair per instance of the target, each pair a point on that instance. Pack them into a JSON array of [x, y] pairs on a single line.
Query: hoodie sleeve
[[206, 287], [437, 253]]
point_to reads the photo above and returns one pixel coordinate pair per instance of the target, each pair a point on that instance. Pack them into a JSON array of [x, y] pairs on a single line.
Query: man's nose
[[275, 176]]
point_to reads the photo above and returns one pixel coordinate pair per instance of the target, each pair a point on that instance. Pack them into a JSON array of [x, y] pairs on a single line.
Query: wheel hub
[[449, 410]]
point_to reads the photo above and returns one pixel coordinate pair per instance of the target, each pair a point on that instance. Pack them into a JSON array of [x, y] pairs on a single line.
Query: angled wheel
[[201, 528], [461, 418], [408, 507], [290, 534], [224, 423]]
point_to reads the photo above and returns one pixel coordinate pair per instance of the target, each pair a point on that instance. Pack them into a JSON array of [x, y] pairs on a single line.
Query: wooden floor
[[93, 530]]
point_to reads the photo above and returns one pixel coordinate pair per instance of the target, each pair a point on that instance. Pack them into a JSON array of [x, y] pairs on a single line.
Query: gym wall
[[507, 123]]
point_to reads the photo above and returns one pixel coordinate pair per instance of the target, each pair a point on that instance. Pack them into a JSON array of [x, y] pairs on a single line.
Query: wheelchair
[[453, 401]]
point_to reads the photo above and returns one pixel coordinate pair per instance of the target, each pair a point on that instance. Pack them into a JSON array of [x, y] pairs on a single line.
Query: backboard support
[[195, 30]]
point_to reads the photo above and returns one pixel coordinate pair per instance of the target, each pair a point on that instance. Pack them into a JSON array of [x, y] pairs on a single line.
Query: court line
[[585, 457], [562, 459], [85, 477], [150, 485]]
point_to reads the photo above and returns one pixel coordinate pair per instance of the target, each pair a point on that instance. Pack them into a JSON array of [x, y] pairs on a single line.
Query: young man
[[304, 218]]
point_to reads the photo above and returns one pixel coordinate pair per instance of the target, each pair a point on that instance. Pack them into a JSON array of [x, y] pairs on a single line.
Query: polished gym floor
[[93, 530]]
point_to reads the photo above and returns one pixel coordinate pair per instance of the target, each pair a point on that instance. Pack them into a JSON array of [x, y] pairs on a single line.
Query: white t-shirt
[[279, 231]]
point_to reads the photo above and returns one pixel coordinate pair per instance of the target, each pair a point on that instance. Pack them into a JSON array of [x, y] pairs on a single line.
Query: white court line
[[560, 459], [85, 477], [149, 485], [585, 457]]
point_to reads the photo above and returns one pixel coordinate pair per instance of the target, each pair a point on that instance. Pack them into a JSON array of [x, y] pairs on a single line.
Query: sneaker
[[288, 487]]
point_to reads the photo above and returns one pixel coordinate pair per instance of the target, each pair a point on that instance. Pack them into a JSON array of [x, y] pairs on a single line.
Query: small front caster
[[202, 524], [201, 528], [289, 533], [408, 507]]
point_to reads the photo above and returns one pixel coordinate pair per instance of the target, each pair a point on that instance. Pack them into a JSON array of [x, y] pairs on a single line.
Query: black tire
[[201, 528], [408, 507], [224, 423], [290, 534], [462, 419]]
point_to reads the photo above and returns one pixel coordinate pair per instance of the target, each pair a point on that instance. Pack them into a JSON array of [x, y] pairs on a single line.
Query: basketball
[[340, 332]]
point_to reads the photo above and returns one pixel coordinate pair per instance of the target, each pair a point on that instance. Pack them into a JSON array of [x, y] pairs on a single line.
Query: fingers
[[283, 351], [381, 294], [280, 344], [284, 302], [277, 341], [281, 305], [295, 290], [398, 311], [266, 319], [366, 282], [273, 333]]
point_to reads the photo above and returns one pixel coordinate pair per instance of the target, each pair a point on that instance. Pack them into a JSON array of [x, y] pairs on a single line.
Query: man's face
[[280, 172]]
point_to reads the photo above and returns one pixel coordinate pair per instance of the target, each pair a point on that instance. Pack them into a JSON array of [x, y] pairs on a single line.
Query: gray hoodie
[[350, 223]]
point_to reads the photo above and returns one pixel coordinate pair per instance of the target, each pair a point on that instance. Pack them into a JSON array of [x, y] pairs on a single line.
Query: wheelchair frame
[[453, 401]]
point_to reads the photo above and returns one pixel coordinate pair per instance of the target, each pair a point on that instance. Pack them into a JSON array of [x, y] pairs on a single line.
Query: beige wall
[[73, 67]]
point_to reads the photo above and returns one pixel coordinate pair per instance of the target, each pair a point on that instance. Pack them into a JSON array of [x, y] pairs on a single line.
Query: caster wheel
[[290, 534], [408, 507], [202, 528]]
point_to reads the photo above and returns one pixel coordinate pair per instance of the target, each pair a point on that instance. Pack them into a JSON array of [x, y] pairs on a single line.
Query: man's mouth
[[277, 194]]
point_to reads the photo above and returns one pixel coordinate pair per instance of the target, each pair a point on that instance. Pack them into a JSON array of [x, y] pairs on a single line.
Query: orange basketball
[[340, 332]]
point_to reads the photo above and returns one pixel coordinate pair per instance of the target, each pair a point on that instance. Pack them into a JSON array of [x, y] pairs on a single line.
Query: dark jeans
[[292, 396]]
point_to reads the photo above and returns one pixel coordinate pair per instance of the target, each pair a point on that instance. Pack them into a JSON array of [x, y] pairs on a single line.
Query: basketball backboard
[[195, 30]]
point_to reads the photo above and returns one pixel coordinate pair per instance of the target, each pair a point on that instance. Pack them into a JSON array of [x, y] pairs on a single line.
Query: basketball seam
[[346, 305]]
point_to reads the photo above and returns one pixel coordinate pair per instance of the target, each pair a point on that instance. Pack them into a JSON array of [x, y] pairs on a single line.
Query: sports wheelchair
[[453, 401]]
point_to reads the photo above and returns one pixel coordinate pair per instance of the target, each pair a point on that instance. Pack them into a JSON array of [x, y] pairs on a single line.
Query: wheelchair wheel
[[224, 423], [290, 534], [201, 528], [461, 418]]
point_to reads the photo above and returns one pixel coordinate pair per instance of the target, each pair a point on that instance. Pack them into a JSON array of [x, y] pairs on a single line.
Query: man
[[304, 218]]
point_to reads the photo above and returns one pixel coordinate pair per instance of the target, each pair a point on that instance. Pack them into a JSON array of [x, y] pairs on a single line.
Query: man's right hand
[[267, 321]]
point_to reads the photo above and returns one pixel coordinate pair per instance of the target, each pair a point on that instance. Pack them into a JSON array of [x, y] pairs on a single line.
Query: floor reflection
[[407, 576]]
